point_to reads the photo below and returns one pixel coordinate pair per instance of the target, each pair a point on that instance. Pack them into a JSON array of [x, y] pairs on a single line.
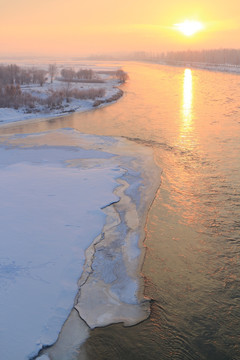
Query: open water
[[191, 118]]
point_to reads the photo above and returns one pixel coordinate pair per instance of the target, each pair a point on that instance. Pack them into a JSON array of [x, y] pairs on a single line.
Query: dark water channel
[[191, 118]]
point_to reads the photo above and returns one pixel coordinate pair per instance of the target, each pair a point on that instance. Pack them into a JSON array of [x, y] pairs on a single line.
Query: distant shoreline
[[224, 68]]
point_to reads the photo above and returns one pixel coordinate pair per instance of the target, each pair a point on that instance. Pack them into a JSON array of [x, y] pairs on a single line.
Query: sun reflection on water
[[187, 95], [187, 118]]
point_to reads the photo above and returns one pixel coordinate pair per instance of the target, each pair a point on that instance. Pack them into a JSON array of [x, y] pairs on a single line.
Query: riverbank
[[58, 96]]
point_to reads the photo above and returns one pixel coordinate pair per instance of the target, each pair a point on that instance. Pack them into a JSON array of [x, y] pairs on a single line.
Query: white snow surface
[[50, 213], [55, 189]]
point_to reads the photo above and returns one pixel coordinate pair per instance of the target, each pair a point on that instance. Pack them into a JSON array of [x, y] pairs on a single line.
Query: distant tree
[[13, 71], [85, 74], [25, 77], [67, 91], [52, 69], [9, 74], [209, 57], [39, 76], [68, 74], [121, 75]]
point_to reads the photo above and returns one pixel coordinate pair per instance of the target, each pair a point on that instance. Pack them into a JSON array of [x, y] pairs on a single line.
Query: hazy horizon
[[58, 28]]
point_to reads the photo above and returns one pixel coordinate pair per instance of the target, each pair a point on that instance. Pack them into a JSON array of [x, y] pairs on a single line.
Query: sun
[[189, 27]]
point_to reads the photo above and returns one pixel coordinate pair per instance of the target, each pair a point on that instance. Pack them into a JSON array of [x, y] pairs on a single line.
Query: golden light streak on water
[[187, 95], [186, 127]]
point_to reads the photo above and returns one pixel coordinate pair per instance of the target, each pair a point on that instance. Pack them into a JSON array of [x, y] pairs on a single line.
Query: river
[[191, 118]]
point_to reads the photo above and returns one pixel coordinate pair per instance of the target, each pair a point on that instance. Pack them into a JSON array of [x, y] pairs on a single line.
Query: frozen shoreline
[[12, 116], [118, 246]]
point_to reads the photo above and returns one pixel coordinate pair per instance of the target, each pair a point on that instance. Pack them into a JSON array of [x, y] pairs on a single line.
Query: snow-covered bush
[[91, 93], [11, 96]]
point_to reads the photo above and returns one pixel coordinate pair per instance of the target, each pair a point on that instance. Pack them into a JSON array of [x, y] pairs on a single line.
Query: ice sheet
[[66, 201]]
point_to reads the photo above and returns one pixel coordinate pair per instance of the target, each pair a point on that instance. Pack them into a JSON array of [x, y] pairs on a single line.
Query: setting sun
[[189, 27]]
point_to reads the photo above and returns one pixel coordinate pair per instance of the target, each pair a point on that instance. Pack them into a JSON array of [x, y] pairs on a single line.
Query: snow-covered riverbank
[[109, 87]]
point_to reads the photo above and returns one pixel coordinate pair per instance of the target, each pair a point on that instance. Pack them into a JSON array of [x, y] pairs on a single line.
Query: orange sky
[[78, 27]]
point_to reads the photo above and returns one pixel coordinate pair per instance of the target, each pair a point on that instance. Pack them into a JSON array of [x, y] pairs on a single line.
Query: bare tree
[[121, 75], [67, 91], [52, 69], [85, 74], [68, 74], [41, 76]]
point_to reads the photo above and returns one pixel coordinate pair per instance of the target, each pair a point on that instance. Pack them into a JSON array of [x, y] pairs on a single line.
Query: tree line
[[70, 74], [88, 75], [13, 77], [214, 56], [16, 75], [208, 56]]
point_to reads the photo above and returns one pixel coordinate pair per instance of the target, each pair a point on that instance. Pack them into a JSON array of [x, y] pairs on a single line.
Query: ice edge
[[111, 286]]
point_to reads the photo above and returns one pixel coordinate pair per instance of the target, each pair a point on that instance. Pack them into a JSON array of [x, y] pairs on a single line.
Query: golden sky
[[78, 27]]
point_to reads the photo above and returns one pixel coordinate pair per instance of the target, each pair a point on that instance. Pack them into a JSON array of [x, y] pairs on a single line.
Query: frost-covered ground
[[67, 200], [110, 85]]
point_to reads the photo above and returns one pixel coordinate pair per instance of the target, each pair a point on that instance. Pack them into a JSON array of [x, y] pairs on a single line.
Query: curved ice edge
[[111, 287]]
